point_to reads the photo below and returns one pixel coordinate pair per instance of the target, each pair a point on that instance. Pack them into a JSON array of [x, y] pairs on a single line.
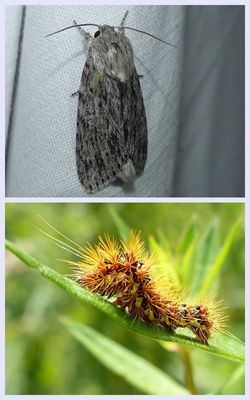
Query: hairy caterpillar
[[124, 272]]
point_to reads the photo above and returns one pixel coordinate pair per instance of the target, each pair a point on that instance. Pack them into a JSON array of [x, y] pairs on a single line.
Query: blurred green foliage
[[41, 356]]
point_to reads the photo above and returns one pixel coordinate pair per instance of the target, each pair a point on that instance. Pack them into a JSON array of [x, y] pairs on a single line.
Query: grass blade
[[121, 226], [132, 368], [206, 250], [187, 237], [219, 261], [236, 377]]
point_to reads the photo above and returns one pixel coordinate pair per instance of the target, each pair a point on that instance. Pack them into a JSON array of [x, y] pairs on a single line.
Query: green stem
[[188, 369]]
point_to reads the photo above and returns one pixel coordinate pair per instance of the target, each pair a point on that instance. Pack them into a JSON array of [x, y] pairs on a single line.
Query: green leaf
[[224, 348], [214, 270], [187, 262], [121, 226], [236, 377], [164, 242], [187, 237], [166, 265], [129, 366], [206, 251]]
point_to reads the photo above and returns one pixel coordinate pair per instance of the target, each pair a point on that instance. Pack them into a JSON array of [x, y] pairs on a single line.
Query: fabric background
[[41, 159], [194, 150], [212, 134]]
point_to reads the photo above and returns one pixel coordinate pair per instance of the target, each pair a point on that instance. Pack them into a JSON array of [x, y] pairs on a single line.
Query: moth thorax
[[112, 54]]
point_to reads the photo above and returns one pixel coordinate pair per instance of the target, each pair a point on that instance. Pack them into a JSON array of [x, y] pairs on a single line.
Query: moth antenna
[[116, 27], [123, 20], [69, 27], [150, 34]]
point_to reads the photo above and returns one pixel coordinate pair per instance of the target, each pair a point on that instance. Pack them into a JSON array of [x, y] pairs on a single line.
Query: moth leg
[[121, 27], [73, 94]]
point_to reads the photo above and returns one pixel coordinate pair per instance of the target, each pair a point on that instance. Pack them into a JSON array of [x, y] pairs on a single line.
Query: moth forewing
[[111, 139]]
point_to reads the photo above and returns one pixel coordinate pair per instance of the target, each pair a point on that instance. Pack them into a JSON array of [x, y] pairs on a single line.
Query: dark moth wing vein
[[111, 128]]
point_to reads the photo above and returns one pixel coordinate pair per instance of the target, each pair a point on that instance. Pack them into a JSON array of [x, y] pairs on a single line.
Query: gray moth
[[111, 136]]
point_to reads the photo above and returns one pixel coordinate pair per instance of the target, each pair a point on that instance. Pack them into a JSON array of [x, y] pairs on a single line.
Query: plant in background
[[145, 302]]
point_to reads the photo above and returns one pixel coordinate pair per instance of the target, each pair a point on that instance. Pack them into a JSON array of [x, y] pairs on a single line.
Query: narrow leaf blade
[[132, 368], [219, 261]]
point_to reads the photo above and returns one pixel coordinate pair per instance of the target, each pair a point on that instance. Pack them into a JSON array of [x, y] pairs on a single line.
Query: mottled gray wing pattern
[[111, 128]]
